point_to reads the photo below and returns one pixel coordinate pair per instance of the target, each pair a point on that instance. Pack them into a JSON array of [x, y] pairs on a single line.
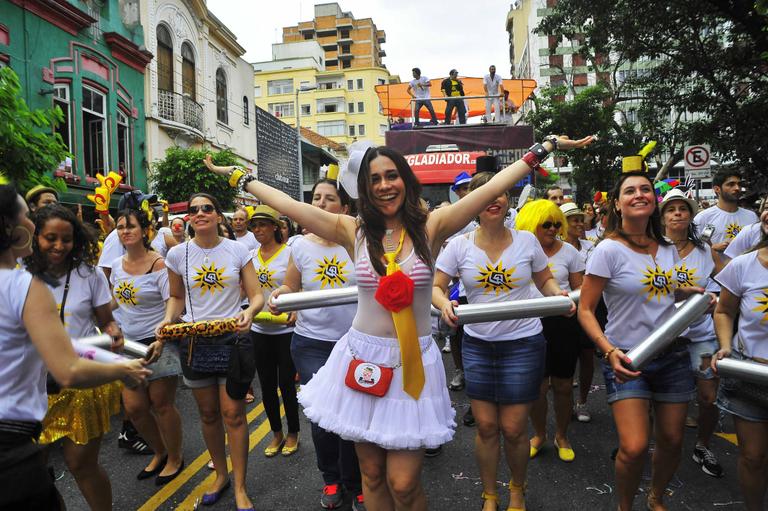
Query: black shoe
[[161, 480], [136, 445], [469, 419], [431, 453], [146, 474]]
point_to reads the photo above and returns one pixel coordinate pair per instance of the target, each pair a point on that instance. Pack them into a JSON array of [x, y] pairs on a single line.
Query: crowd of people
[[372, 379]]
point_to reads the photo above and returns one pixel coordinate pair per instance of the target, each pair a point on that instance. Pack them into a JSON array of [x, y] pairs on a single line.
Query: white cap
[[676, 194]]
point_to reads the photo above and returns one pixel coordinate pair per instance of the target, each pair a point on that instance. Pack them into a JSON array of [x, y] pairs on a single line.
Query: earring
[[23, 246]]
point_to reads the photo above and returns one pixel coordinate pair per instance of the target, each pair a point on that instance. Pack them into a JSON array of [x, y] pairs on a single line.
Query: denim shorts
[[666, 379], [730, 399], [168, 364], [504, 372], [697, 350]]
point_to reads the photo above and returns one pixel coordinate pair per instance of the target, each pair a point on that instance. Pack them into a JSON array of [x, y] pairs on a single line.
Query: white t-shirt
[[249, 240], [158, 244], [213, 280], [747, 279], [323, 267], [113, 249], [492, 84], [22, 372], [88, 289], [694, 270], [420, 87], [504, 280], [639, 293], [140, 299], [567, 260], [747, 238], [727, 225], [271, 274], [586, 248], [594, 235]]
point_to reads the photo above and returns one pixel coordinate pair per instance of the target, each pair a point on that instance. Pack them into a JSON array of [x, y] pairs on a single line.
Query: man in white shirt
[[493, 87], [726, 216], [239, 223], [418, 89]]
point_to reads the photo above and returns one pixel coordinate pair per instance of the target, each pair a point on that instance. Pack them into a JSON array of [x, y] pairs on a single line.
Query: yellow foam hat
[[636, 162]]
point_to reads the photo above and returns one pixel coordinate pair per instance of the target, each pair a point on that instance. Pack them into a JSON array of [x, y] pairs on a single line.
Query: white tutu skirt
[[395, 421]]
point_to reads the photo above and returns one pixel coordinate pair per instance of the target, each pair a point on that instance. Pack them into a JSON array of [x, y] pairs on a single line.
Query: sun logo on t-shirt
[[126, 293], [658, 283], [686, 277], [731, 230], [210, 278], [330, 272], [762, 306], [265, 277], [495, 278]]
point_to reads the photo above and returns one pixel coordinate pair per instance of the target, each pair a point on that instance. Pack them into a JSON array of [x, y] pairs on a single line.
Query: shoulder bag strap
[[64, 298]]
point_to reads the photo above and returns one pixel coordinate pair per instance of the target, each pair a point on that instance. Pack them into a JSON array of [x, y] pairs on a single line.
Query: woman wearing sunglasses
[[545, 220], [205, 276], [503, 360]]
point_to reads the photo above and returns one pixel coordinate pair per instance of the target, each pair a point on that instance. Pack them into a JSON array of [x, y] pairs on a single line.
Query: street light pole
[[301, 88]]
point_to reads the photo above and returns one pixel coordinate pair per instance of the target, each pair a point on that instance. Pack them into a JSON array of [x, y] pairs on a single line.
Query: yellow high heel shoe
[[288, 450], [271, 451], [516, 488], [490, 496]]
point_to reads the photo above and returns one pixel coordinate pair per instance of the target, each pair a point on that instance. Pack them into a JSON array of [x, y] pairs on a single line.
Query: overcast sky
[[436, 36]]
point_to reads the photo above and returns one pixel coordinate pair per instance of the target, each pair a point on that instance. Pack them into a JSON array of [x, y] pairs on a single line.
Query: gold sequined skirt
[[81, 414]]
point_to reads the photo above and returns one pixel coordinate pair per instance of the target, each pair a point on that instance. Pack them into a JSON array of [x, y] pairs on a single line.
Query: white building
[[198, 89]]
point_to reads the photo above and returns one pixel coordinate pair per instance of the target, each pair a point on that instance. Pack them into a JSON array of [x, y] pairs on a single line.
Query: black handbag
[[242, 368], [209, 355]]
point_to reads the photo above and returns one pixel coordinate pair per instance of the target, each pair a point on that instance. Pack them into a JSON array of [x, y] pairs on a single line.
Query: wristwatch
[[539, 151]]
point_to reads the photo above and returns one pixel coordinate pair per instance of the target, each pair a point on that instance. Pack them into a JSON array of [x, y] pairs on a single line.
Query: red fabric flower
[[395, 291]]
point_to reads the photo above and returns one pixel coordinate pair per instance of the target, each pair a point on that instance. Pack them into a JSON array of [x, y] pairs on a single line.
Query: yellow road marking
[[188, 473], [253, 440], [731, 437]]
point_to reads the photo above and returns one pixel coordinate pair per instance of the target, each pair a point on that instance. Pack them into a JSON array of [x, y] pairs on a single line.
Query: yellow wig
[[535, 213]]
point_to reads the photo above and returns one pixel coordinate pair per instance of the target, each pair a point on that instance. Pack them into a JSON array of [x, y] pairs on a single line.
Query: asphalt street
[[451, 479]]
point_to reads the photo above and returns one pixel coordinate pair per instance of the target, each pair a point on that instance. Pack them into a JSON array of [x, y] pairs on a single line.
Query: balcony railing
[[180, 108]]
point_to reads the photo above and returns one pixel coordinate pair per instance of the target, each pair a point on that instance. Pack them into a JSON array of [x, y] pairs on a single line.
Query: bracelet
[[235, 175], [607, 354], [552, 139], [532, 160], [244, 181]]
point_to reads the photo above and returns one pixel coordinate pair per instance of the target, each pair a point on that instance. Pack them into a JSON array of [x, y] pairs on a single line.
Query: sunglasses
[[205, 208], [548, 225]]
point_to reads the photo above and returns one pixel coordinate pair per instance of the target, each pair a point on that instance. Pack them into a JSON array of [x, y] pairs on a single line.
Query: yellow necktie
[[405, 326]]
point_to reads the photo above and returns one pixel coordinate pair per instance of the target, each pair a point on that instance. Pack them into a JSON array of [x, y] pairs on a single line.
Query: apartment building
[[347, 42]]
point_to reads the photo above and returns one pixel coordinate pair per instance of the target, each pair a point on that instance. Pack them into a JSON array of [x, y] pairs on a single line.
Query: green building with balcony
[[88, 58]]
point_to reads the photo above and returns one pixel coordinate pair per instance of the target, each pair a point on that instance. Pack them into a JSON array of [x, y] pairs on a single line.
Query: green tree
[[183, 173], [591, 111], [29, 150], [702, 69]]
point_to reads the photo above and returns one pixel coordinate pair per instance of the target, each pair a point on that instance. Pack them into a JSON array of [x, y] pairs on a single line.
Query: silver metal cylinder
[[517, 309], [288, 302], [131, 348], [662, 337], [743, 370]]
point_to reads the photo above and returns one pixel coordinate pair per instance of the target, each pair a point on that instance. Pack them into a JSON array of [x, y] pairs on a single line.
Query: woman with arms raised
[[392, 244]]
